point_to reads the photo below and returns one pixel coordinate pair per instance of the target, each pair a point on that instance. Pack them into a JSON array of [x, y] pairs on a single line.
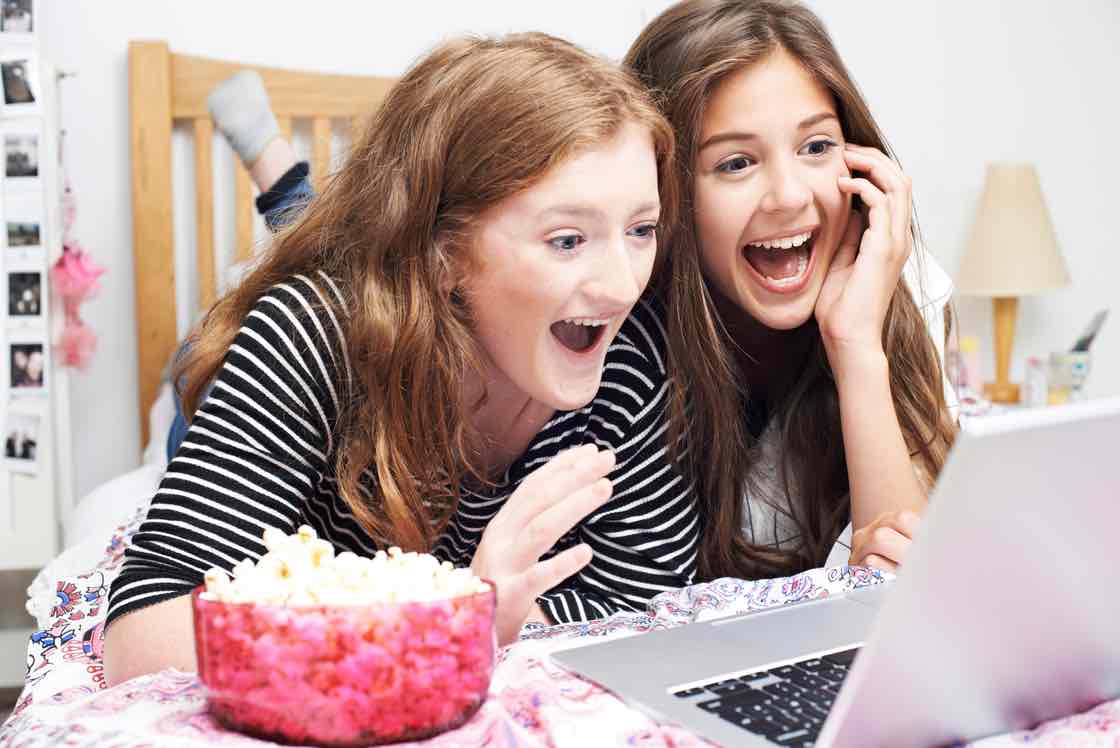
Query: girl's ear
[[452, 260]]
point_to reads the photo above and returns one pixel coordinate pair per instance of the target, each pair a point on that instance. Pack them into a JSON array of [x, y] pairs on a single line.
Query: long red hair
[[472, 123]]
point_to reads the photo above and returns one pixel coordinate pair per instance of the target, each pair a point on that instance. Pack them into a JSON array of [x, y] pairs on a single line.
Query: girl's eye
[[819, 147], [566, 243], [645, 231], [734, 165]]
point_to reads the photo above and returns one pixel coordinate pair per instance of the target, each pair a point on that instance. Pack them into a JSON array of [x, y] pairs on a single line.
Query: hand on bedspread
[[883, 544]]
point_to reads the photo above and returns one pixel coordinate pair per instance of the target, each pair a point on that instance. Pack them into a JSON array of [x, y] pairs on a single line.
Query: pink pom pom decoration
[[76, 344], [346, 675], [74, 276], [74, 280]]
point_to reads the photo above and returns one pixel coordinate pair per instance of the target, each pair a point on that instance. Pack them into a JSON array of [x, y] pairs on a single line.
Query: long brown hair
[[682, 56], [469, 125]]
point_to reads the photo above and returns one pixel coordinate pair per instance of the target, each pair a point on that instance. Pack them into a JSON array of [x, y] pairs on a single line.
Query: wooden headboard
[[166, 89]]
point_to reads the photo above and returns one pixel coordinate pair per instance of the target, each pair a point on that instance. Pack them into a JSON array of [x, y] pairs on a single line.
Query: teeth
[[788, 243], [587, 322]]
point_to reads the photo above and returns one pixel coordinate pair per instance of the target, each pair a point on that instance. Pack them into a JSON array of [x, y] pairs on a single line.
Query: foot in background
[[243, 114]]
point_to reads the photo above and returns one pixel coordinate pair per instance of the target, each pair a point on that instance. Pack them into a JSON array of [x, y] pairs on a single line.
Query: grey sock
[[243, 114]]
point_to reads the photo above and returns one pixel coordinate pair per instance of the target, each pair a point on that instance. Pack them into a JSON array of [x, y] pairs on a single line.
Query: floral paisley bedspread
[[532, 702]]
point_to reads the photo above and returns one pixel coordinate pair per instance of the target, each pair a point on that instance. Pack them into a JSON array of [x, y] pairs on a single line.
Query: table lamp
[[1011, 252]]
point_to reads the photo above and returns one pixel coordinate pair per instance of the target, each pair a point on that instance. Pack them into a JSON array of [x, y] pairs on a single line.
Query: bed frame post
[[149, 106]]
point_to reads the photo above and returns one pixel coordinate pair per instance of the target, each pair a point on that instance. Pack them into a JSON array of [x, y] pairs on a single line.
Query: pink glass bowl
[[340, 675]]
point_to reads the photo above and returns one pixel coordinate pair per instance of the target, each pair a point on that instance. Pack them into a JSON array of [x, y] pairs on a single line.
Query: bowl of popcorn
[[304, 646]]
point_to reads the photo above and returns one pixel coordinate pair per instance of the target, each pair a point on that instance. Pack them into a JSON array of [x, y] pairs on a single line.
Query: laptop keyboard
[[786, 705]]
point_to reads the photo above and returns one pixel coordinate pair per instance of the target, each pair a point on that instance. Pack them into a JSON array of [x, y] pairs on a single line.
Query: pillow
[[105, 507]]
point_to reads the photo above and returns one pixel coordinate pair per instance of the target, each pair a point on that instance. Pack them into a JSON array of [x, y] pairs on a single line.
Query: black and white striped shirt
[[259, 453]]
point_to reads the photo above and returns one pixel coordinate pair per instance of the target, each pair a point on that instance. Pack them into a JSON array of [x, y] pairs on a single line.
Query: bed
[[64, 684]]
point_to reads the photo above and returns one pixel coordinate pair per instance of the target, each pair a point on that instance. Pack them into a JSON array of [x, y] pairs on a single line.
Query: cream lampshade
[[1011, 252]]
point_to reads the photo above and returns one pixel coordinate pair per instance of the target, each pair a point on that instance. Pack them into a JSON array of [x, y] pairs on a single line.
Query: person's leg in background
[[243, 114]]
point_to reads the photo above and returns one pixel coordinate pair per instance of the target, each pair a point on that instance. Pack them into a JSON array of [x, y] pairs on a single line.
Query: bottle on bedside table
[[1034, 392]]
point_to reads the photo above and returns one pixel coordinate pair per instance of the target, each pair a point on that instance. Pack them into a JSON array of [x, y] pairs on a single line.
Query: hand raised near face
[[547, 504], [868, 263]]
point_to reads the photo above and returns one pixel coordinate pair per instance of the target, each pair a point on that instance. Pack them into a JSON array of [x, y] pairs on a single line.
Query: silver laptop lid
[[1009, 615]]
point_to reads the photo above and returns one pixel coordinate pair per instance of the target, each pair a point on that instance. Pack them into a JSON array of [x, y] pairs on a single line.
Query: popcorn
[[302, 569]]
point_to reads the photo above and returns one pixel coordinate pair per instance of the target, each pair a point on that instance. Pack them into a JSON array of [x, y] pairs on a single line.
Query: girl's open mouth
[[579, 335], [782, 265]]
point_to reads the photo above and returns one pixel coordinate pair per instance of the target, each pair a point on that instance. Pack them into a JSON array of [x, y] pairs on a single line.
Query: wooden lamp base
[[1008, 392], [1003, 390]]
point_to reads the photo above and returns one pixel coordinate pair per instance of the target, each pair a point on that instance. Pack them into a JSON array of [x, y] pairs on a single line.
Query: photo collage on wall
[[25, 379]]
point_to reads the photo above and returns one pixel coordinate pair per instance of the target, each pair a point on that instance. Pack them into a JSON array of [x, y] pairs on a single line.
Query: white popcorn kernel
[[215, 577], [243, 568], [273, 537], [320, 552]]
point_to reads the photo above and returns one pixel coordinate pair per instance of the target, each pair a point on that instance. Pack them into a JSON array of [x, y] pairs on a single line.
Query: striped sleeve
[[645, 539], [254, 452]]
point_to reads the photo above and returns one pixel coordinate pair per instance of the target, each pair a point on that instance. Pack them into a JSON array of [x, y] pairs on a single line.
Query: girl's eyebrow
[[587, 211], [736, 135], [817, 119]]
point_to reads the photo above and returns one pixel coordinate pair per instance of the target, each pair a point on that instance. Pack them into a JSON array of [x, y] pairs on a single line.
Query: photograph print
[[23, 227], [23, 234], [21, 442], [25, 295], [21, 155], [16, 17], [20, 83], [27, 364]]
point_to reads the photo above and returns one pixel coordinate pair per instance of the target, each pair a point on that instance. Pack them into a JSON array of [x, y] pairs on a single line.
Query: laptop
[[1003, 616]]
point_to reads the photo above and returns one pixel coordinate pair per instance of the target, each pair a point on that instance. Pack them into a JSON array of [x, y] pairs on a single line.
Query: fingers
[[542, 532], [544, 575], [884, 172], [890, 179], [886, 543], [905, 522], [553, 482], [879, 218], [876, 561], [569, 471], [849, 245]]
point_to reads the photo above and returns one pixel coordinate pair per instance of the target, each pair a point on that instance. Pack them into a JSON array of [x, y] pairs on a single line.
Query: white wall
[[954, 84]]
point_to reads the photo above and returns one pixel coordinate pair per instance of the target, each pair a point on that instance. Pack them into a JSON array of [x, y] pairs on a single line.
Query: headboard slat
[[285, 124], [245, 213], [204, 218], [292, 93], [153, 245], [320, 149]]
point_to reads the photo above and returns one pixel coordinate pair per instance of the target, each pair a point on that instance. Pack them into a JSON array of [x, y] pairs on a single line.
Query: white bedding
[[89, 526]]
